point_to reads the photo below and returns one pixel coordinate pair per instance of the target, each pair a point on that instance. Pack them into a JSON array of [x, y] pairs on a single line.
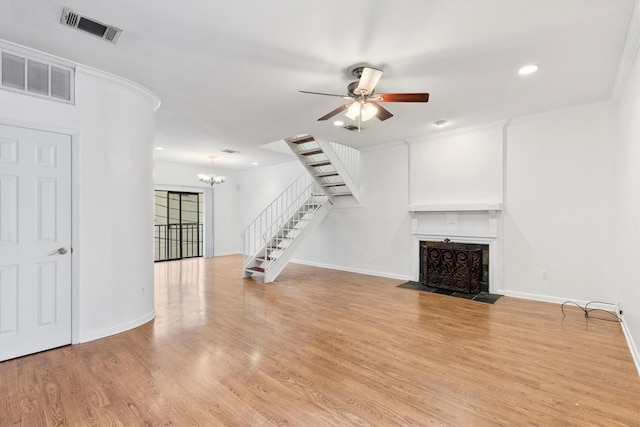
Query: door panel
[[35, 221]]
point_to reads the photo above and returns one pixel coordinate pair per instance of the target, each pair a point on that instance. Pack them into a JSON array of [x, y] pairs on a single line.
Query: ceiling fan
[[364, 102]]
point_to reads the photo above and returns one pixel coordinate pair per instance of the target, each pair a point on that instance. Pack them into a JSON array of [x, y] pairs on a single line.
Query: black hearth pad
[[481, 297]]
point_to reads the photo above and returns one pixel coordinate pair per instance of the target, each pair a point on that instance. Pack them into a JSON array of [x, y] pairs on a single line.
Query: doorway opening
[[178, 229]]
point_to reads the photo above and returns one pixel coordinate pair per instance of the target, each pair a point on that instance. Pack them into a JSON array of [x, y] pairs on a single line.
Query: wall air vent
[[37, 75], [75, 20]]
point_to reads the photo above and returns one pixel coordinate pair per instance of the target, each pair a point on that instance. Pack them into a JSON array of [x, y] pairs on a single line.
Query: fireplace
[[454, 266], [474, 225]]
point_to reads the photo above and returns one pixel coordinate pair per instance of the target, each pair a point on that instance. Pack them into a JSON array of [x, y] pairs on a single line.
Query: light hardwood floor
[[327, 348]]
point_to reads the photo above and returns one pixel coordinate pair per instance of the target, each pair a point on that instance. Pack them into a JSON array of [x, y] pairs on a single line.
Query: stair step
[[345, 193], [267, 258], [319, 163], [326, 174], [255, 269], [303, 140], [333, 184], [310, 152]]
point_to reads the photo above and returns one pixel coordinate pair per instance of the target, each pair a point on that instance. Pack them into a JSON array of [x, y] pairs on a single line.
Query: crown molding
[[428, 137], [127, 84], [629, 53]]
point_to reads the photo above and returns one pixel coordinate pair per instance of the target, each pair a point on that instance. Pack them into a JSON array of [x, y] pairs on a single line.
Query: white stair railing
[[274, 217], [350, 158]]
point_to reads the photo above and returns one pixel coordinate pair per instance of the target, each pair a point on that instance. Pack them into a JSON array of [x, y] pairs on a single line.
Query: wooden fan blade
[[401, 97], [334, 112], [326, 94], [368, 80], [383, 113]]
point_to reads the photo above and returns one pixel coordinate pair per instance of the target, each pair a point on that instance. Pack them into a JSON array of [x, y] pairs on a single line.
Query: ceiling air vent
[[352, 127], [229, 151], [75, 20]]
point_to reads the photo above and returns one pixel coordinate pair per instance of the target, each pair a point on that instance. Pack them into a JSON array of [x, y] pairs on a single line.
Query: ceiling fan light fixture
[[368, 112], [353, 111]]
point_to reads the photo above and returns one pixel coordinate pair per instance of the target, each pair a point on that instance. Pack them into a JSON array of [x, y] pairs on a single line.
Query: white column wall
[[558, 217], [627, 210], [112, 125], [225, 218], [115, 191]]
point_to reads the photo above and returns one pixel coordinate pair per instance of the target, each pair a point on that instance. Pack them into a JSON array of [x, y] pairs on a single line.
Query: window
[[178, 225]]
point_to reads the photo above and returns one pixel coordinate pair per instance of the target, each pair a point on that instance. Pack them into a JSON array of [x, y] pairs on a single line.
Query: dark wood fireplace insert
[[451, 266]]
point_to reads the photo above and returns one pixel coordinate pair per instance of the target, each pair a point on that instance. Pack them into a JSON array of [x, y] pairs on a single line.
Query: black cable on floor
[[587, 311]]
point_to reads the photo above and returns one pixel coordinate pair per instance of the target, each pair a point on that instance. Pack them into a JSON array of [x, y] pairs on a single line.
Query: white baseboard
[[123, 327], [635, 353], [558, 300], [226, 253], [353, 270]]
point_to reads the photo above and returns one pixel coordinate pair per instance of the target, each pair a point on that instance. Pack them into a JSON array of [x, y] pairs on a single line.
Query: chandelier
[[211, 178]]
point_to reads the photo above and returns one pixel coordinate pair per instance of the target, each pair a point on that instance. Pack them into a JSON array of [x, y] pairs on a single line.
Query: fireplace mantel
[[457, 207], [456, 219], [473, 223]]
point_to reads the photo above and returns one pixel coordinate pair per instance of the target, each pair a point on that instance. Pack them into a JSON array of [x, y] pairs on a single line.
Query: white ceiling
[[228, 72]]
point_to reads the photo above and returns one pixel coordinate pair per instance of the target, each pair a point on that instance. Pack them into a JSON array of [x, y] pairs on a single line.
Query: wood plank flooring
[[328, 348]]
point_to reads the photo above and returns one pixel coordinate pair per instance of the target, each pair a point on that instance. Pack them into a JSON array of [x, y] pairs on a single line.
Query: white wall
[[457, 167], [113, 126], [627, 212], [374, 238], [560, 205], [226, 221], [261, 185]]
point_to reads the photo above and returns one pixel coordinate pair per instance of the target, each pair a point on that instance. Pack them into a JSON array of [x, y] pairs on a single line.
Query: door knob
[[59, 251]]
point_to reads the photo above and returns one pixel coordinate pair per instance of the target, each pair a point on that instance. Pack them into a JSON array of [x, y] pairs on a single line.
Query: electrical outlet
[[544, 275], [619, 308]]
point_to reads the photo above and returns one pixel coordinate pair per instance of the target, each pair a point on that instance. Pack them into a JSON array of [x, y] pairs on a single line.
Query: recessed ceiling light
[[159, 148], [338, 123], [440, 123], [255, 163], [528, 69]]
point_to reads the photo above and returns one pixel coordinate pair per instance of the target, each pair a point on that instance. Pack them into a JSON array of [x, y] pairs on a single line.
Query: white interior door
[[35, 241]]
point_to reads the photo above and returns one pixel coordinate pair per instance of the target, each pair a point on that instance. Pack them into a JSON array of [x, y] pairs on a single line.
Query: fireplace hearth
[[454, 266]]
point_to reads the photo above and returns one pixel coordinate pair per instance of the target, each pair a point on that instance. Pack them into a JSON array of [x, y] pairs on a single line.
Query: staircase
[[332, 165], [271, 239]]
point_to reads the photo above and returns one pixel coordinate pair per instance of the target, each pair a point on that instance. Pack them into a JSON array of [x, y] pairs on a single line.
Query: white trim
[[21, 50], [225, 254], [10, 121], [559, 300], [383, 146], [430, 136], [456, 207], [629, 53], [352, 270], [136, 88], [564, 110], [635, 352], [123, 327], [180, 188], [472, 234]]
